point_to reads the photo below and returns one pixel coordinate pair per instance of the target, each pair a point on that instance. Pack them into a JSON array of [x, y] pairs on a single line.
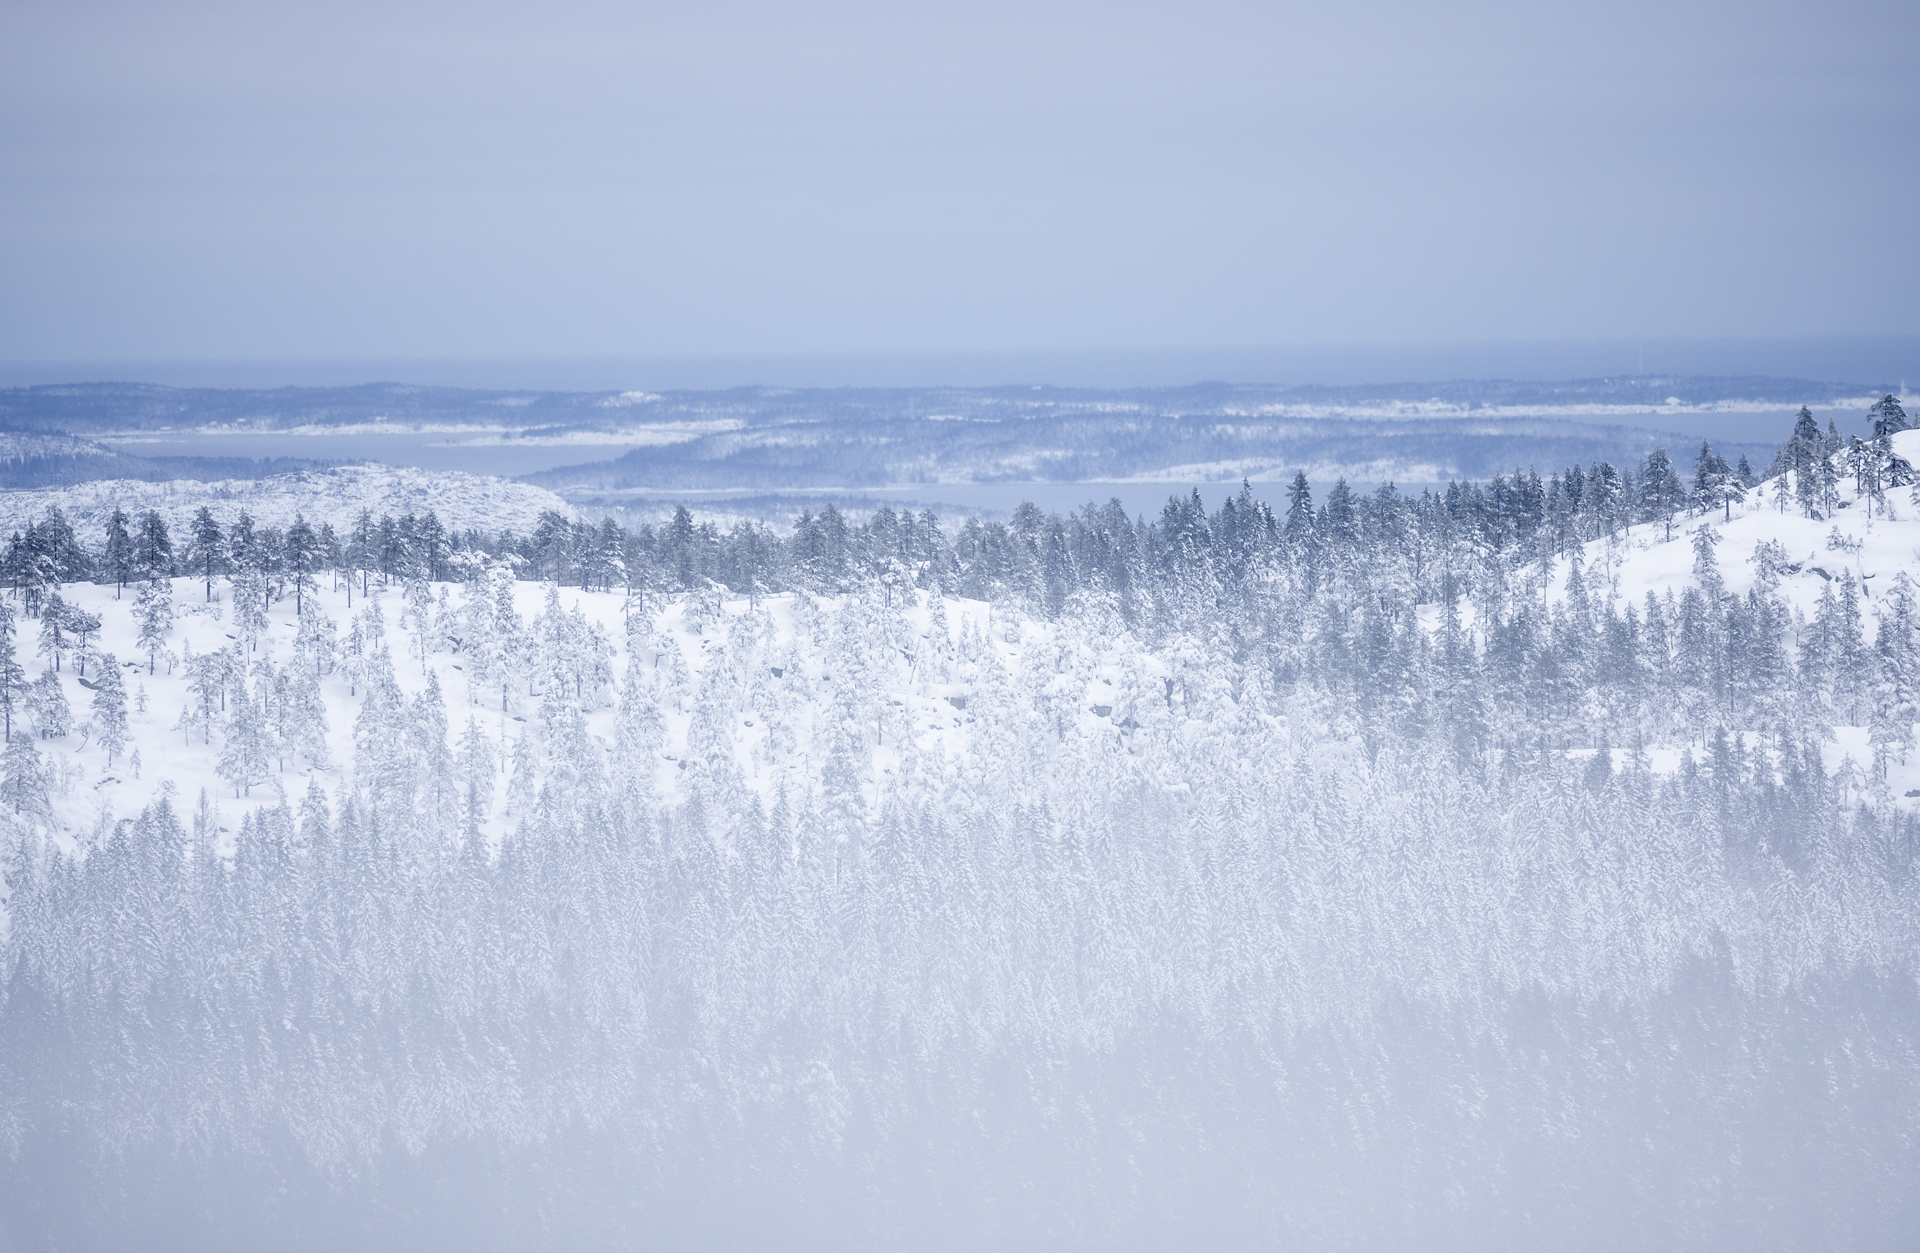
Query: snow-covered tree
[[55, 630], [477, 766], [117, 555], [153, 611], [1661, 493], [246, 751], [110, 707], [13, 676], [47, 705], [314, 643], [1887, 416], [23, 780], [209, 547], [250, 592], [153, 548]]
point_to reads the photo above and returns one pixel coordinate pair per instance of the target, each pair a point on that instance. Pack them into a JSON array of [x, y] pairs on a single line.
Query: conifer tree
[[245, 753], [249, 618], [477, 768], [118, 553], [13, 676], [83, 626], [23, 780], [1706, 567], [47, 706], [153, 548], [154, 613], [209, 547], [1660, 492], [1887, 416], [55, 623], [110, 707], [300, 556]]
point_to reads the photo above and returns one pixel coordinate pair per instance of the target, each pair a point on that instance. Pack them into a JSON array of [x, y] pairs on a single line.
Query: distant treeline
[[1385, 541]]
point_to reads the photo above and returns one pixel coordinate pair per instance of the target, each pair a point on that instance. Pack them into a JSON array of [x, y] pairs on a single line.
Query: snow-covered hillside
[[694, 649], [1227, 847], [336, 495], [1869, 545], [936, 676]]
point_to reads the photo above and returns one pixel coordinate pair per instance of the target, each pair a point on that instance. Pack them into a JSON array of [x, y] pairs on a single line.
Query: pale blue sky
[[407, 180]]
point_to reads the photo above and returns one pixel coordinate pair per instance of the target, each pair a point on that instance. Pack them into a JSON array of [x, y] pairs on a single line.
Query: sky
[[465, 182]]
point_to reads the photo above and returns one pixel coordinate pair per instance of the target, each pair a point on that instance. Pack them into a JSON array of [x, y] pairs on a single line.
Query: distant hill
[[851, 438], [34, 460]]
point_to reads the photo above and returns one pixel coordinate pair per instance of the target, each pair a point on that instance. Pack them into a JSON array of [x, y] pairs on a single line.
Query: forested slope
[[1488, 867]]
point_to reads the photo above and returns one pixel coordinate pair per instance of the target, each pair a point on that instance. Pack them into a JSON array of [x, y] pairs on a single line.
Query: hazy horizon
[[1875, 361]]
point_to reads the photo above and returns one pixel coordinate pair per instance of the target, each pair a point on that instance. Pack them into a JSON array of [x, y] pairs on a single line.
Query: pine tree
[[1848, 653], [300, 556], [417, 596], [1661, 494], [1803, 453], [307, 718], [153, 548], [1887, 416], [313, 643], [23, 780], [1706, 567], [522, 782], [118, 553], [245, 755], [13, 677], [477, 768], [1299, 521], [154, 612], [110, 707], [1896, 684], [209, 547], [83, 626], [360, 553], [55, 622], [1716, 485], [249, 584], [206, 684], [47, 706]]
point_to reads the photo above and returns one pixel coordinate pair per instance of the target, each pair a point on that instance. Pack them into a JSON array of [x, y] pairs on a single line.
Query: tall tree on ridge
[[209, 547], [153, 551], [118, 553]]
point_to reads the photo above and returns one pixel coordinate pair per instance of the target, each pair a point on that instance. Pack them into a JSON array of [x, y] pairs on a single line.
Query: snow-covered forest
[[1528, 863]]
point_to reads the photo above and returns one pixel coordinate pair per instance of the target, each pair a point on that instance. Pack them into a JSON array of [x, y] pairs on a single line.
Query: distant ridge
[[96, 408]]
